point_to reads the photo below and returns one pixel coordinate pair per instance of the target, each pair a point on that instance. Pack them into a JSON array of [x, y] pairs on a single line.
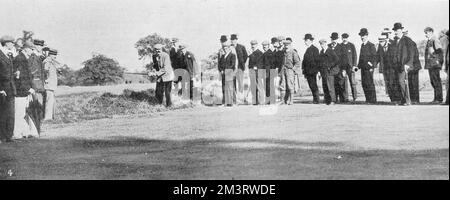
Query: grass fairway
[[128, 158], [302, 141]]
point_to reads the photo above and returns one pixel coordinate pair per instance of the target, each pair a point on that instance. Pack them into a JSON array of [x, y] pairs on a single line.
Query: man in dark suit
[[241, 53], [348, 65], [385, 59], [310, 66], [186, 60], [257, 72], [413, 76], [404, 59], [340, 79], [447, 58], [433, 63], [328, 61], [174, 53], [7, 89], [227, 68], [367, 63], [268, 61]]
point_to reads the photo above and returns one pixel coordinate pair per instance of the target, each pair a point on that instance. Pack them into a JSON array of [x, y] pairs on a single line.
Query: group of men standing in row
[[28, 79], [276, 67]]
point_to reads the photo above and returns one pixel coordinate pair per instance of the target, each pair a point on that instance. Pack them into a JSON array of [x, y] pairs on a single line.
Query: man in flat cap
[[37, 108], [340, 79], [385, 59], [187, 61], [257, 72], [328, 61], [291, 61], [434, 58], [367, 64], [268, 61], [7, 89], [242, 55], [310, 66], [162, 69], [349, 62], [278, 63], [404, 59], [51, 83]]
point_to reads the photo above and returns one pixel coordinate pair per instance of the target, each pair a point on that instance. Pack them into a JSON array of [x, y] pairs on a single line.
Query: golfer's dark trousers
[[312, 82], [404, 88], [352, 80], [368, 86], [413, 83], [223, 88], [164, 89], [436, 82], [7, 114], [326, 91], [341, 87]]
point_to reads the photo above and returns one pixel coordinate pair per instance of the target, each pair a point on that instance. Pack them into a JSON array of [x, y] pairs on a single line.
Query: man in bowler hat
[[242, 55], [310, 66], [328, 61], [404, 59], [367, 64], [341, 78]]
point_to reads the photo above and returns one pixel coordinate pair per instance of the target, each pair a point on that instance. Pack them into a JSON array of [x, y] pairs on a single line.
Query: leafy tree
[[145, 45], [100, 70], [210, 63], [67, 76]]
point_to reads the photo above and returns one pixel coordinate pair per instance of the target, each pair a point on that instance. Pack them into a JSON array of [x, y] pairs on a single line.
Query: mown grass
[[95, 105]]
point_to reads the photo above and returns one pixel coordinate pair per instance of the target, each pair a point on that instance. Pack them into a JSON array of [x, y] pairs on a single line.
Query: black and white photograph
[[224, 90]]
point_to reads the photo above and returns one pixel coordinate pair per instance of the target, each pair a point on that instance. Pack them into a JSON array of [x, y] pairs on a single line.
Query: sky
[[79, 28]]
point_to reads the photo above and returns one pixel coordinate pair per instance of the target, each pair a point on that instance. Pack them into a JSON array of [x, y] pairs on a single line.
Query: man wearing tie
[[328, 61], [367, 63], [404, 59], [7, 89], [241, 54], [433, 62], [348, 64], [310, 66], [162, 69], [341, 78], [257, 73], [268, 61]]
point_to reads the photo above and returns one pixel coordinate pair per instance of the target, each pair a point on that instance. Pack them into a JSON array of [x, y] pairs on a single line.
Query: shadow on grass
[[137, 158]]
